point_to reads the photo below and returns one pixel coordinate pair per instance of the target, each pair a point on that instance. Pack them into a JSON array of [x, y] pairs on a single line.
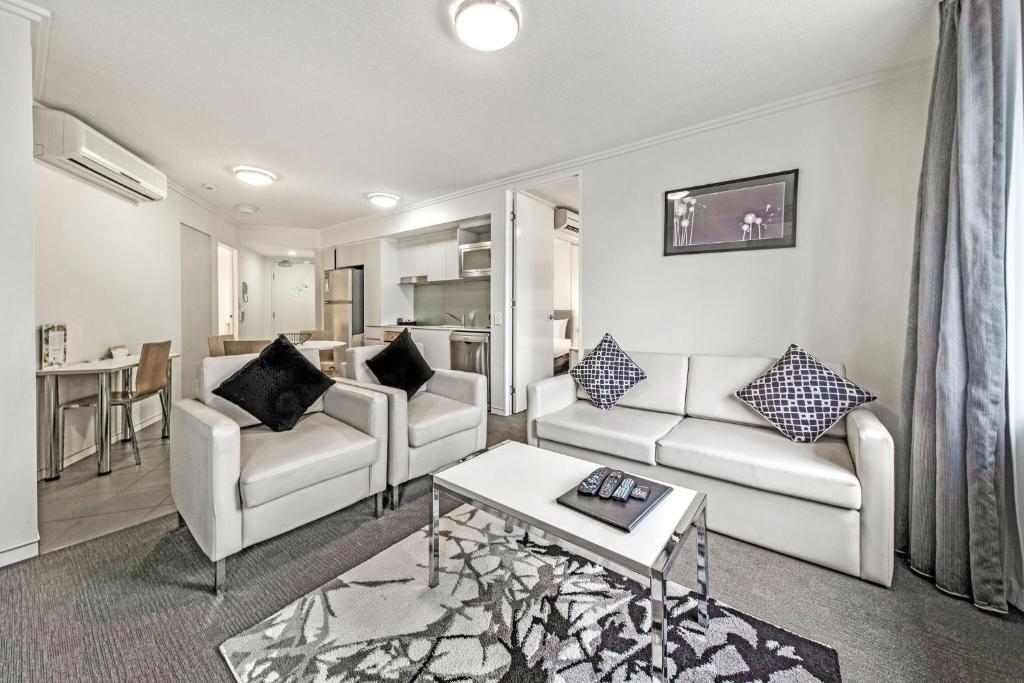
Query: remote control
[[592, 483], [609, 485], [621, 494], [641, 492]]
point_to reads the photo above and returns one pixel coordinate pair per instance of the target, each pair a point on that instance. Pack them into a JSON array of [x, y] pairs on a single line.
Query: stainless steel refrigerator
[[343, 304]]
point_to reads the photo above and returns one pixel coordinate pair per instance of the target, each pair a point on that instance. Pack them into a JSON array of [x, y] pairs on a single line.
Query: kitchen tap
[[461, 318]]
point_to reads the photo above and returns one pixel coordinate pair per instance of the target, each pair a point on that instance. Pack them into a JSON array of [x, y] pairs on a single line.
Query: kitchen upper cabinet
[[451, 255], [427, 255], [350, 255], [435, 259], [412, 257]]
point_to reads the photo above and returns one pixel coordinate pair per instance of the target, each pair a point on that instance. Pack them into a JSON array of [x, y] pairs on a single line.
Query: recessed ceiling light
[[291, 252], [486, 25], [246, 209], [253, 176], [385, 200]]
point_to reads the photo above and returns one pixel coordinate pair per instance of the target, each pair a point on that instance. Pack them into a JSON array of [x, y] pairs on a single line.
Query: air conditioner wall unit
[[70, 144], [567, 222]]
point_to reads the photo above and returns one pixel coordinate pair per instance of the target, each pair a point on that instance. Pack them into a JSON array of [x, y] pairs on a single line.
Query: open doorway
[[545, 282], [227, 290]]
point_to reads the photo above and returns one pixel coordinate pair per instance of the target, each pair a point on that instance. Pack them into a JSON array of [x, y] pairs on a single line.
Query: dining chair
[[150, 380], [216, 343], [327, 363], [234, 347]]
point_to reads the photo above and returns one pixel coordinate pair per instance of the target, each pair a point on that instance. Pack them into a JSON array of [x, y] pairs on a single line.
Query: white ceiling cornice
[[199, 201], [25, 10], [826, 93]]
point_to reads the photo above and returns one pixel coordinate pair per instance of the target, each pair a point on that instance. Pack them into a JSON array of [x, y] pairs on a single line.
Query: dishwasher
[[471, 352]]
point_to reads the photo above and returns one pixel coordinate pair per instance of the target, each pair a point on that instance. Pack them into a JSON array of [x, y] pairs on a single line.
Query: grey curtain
[[950, 473]]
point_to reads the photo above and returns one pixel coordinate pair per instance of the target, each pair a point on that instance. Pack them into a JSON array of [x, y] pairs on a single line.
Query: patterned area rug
[[509, 608]]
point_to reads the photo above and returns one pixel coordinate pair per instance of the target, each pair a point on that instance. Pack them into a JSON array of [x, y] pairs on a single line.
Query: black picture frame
[[693, 226]]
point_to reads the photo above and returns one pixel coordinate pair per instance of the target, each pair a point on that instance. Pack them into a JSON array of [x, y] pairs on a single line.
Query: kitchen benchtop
[[446, 328]]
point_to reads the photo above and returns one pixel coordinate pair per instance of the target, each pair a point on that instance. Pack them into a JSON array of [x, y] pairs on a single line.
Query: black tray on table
[[624, 516]]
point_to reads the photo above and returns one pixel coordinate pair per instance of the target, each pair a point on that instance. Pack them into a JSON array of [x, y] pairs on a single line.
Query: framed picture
[[737, 215], [53, 350]]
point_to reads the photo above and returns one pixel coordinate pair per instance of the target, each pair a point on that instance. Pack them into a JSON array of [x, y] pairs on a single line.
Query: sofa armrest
[[545, 397], [467, 387], [871, 448], [367, 411], [205, 468], [398, 427]]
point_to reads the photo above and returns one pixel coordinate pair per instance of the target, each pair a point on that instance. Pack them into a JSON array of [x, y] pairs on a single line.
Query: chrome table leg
[[126, 386], [219, 576], [659, 626], [378, 504], [509, 528], [103, 423], [51, 395], [703, 570], [435, 548], [165, 404]]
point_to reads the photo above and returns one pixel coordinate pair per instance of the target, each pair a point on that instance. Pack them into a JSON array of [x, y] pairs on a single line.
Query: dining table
[[105, 371]]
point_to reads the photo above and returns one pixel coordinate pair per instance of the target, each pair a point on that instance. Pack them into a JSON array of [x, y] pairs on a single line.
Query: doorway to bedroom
[[547, 232]]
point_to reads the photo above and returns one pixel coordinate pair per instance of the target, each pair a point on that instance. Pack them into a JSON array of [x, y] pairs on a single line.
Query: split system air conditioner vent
[[567, 222], [66, 142]]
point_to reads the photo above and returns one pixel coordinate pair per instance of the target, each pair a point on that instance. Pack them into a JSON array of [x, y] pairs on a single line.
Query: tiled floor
[[80, 505]]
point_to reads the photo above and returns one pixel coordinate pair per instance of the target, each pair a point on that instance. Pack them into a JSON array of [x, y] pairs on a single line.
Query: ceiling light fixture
[[384, 200], [486, 25], [253, 176], [246, 209], [291, 252]]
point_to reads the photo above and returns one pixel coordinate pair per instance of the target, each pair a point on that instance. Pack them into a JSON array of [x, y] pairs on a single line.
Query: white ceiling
[[345, 97], [563, 193]]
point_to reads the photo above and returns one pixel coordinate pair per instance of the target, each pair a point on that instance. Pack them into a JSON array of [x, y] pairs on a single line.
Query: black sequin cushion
[[401, 365], [801, 397], [607, 373], [277, 386]]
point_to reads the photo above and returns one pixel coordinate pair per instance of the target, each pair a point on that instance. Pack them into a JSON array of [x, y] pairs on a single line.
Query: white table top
[[94, 367], [321, 345], [525, 481]]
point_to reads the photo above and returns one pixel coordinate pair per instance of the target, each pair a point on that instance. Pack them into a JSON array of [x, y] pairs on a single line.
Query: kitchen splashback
[[472, 297]]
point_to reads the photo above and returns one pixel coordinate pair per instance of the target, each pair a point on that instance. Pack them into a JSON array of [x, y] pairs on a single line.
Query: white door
[[533, 294], [227, 279], [293, 298]]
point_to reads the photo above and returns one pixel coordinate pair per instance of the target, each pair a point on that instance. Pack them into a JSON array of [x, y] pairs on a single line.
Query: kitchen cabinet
[[436, 348], [349, 255], [451, 255], [373, 335], [429, 255]]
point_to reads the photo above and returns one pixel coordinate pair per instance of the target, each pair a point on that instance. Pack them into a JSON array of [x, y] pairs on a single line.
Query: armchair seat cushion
[[625, 432], [433, 417], [764, 459], [318, 448]]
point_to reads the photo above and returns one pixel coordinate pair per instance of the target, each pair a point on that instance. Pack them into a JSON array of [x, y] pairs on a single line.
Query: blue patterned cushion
[[607, 373], [801, 397]]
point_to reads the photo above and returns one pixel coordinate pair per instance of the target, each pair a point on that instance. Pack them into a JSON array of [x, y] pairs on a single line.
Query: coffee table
[[519, 484]]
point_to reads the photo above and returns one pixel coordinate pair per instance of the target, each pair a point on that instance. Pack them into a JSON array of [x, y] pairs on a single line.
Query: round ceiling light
[[246, 209], [384, 200], [253, 176], [487, 25]]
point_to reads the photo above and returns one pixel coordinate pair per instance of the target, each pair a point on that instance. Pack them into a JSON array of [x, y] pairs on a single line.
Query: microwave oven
[[475, 259]]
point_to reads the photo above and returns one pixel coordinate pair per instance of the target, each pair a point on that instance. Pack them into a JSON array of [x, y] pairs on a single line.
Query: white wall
[[110, 269], [252, 271], [19, 534], [493, 202], [841, 293]]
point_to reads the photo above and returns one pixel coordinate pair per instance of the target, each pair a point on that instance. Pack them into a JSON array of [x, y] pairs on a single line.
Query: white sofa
[[445, 421], [829, 502], [236, 482]]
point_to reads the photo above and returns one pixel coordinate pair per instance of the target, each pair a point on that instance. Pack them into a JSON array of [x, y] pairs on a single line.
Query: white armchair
[[444, 422], [236, 483]]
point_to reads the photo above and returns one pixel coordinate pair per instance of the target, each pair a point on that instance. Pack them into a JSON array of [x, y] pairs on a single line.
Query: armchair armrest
[[871, 448], [545, 397], [366, 411], [467, 387], [205, 468], [398, 427]]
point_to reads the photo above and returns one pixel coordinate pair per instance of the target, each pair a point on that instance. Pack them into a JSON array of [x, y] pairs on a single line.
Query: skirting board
[[90, 450], [19, 553]]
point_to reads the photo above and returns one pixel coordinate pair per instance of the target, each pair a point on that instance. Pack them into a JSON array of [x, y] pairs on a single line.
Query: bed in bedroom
[[562, 341]]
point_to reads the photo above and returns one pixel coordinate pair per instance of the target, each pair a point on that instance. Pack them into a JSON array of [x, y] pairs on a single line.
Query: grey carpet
[[136, 606]]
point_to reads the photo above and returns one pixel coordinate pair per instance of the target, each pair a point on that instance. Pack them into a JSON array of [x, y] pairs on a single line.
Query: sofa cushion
[[713, 380], [400, 365], [212, 372], [763, 459], [625, 432], [433, 417], [664, 390], [607, 373], [318, 448], [801, 397]]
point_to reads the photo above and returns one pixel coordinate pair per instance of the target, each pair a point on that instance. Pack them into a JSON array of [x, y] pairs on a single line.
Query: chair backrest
[[216, 343], [663, 391], [235, 347], [355, 362], [212, 372], [714, 379], [152, 373]]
